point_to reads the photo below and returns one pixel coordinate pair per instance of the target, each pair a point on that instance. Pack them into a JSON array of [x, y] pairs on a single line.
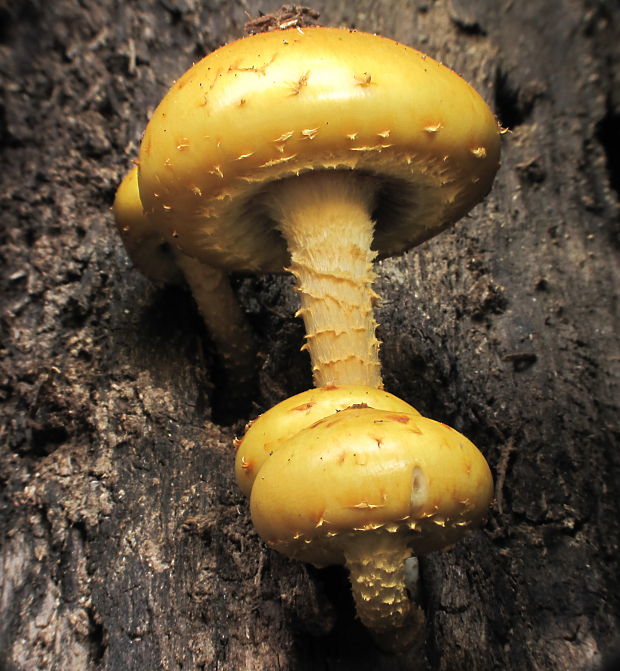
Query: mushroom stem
[[325, 218], [377, 572], [223, 317]]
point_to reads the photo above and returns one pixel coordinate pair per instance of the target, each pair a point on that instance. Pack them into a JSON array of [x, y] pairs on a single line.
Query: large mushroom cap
[[374, 474], [276, 426], [274, 105]]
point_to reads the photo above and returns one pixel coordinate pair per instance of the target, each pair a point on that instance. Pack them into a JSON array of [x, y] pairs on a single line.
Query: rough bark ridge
[[125, 543]]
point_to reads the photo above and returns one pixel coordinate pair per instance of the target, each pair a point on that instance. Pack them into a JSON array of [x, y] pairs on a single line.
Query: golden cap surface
[[274, 105], [372, 472], [273, 428]]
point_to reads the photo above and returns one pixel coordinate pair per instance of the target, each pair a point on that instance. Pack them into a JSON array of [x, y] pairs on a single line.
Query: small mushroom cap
[[274, 105], [273, 428], [370, 472], [145, 246]]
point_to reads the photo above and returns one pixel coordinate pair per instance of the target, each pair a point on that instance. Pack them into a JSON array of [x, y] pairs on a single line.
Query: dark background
[[125, 544]]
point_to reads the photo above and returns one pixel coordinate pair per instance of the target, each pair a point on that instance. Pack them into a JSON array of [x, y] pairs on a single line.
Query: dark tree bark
[[125, 543]]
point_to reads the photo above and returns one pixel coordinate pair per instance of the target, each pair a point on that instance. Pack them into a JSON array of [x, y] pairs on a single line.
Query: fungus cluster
[[314, 151]]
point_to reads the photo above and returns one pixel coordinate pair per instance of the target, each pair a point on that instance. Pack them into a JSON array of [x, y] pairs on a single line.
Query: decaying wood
[[287, 16], [125, 543]]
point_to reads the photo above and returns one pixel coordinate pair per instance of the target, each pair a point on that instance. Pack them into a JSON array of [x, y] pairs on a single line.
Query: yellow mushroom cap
[[372, 473], [274, 105], [273, 428], [150, 254]]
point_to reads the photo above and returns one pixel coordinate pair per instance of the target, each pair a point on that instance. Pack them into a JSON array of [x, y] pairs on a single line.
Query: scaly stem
[[377, 572], [325, 219], [223, 317]]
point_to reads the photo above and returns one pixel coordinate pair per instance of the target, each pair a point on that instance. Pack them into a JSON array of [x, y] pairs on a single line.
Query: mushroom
[[273, 428], [210, 287], [368, 488], [315, 150]]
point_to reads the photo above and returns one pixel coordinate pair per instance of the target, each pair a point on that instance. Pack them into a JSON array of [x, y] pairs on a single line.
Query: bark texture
[[125, 544]]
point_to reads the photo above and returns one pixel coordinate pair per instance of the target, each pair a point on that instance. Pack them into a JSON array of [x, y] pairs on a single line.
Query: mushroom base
[[378, 584]]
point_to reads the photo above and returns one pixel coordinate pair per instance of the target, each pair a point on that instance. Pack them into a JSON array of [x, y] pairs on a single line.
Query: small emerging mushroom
[[315, 150], [368, 488], [165, 264]]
